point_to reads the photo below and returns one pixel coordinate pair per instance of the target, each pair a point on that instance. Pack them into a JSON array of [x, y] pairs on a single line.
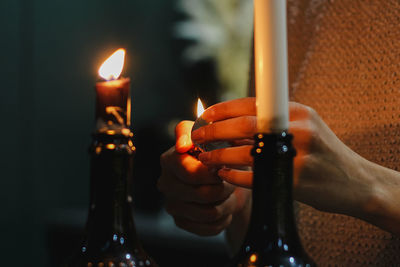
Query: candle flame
[[111, 68], [200, 108]]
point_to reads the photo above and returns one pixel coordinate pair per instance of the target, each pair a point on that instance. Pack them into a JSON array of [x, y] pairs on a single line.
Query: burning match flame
[[200, 108]]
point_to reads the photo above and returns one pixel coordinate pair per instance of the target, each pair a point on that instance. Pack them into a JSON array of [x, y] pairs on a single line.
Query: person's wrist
[[372, 204], [382, 205], [364, 202]]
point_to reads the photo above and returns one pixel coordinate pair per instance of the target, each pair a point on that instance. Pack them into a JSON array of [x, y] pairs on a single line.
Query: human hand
[[326, 171], [198, 200]]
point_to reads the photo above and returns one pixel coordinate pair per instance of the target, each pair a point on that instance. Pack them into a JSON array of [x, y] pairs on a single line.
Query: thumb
[[183, 136]]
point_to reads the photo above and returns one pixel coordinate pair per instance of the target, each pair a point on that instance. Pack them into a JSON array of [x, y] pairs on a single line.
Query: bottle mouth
[[273, 143]]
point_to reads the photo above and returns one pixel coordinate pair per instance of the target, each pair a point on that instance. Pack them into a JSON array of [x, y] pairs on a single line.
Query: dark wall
[[50, 53]]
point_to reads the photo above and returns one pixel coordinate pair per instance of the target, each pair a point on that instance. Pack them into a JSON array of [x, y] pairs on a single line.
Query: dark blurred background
[[50, 53]]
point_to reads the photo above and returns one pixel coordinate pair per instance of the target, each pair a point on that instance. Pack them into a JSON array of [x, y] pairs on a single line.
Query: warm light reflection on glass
[[111, 68], [115, 112], [126, 131], [110, 132], [253, 258], [110, 146], [200, 108]]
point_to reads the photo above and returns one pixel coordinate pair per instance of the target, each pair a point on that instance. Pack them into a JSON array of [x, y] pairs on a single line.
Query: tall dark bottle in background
[[110, 238], [272, 238]]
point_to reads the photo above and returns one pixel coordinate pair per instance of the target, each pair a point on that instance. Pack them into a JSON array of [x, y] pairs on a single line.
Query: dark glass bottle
[[110, 237], [272, 238]]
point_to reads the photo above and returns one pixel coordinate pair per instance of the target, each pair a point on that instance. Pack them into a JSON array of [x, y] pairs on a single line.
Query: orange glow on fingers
[[298, 167], [191, 164], [237, 177]]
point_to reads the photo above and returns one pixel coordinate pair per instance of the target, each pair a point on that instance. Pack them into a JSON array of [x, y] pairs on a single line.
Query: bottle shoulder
[[272, 258], [124, 257]]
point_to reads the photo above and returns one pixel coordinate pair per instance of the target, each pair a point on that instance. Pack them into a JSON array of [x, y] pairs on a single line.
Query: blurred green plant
[[222, 31]]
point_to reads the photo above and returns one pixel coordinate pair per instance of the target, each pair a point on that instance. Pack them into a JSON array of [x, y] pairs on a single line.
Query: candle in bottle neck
[[113, 103], [271, 69]]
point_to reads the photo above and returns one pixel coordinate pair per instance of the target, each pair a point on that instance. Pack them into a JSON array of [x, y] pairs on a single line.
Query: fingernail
[[204, 157], [198, 134], [183, 141]]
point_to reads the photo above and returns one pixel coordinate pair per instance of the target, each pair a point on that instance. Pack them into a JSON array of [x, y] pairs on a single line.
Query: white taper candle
[[271, 65]]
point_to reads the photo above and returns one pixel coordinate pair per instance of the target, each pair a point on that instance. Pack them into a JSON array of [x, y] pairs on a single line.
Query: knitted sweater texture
[[345, 63]]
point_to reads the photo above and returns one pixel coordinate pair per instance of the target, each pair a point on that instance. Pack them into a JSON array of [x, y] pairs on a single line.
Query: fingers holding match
[[236, 156], [237, 177]]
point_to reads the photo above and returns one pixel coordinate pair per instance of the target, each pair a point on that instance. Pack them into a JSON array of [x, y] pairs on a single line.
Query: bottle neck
[[110, 211], [272, 220]]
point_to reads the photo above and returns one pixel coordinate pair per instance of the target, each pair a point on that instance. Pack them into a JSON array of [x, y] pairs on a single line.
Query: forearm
[[382, 208]]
